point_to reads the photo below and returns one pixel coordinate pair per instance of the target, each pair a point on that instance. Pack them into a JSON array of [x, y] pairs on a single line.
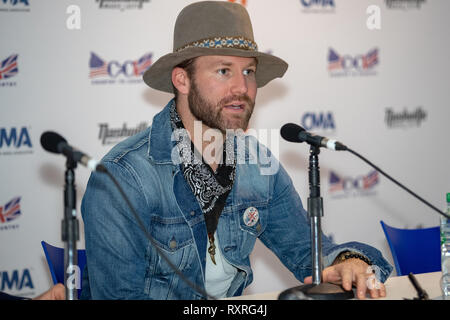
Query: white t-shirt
[[218, 276]]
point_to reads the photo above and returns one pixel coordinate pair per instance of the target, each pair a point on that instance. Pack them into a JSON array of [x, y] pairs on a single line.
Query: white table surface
[[397, 288]]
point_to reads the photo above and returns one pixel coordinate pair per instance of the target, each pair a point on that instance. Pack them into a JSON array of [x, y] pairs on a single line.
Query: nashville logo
[[405, 118], [404, 4], [110, 136], [121, 4]]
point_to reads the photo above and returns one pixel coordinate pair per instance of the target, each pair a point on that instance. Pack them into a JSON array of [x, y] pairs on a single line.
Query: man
[[204, 210]]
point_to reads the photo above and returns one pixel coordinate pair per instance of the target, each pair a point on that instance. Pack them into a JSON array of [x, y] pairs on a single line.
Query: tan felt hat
[[213, 28]]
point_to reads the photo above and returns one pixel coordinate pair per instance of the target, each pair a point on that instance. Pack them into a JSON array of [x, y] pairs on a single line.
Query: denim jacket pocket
[[173, 236]]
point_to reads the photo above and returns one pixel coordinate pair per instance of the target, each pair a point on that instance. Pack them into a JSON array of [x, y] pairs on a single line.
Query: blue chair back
[[55, 261], [414, 250]]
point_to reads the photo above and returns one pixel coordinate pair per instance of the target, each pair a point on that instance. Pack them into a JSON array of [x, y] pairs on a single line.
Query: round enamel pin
[[251, 216]]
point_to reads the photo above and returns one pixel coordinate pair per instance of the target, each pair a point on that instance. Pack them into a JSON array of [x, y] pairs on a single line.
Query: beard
[[211, 114]]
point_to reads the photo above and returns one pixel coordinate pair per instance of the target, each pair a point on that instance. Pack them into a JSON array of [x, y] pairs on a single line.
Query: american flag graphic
[[9, 67], [370, 59], [334, 60], [10, 211], [336, 183], [141, 65], [98, 66], [362, 183], [370, 180]]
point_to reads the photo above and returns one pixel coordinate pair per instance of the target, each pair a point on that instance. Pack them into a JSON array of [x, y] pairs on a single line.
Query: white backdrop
[[393, 109]]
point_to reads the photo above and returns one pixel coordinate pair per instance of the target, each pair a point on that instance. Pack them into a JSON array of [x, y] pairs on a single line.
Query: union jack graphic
[[370, 59], [142, 64], [8, 67], [251, 216], [98, 66], [10, 211], [370, 180]]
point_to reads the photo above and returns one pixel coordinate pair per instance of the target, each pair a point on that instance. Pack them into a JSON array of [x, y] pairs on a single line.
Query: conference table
[[397, 288]]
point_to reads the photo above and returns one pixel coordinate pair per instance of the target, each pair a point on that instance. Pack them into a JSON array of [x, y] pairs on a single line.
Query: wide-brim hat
[[213, 28]]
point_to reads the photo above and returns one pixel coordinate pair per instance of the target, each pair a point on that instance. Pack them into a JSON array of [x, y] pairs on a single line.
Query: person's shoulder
[[134, 146]]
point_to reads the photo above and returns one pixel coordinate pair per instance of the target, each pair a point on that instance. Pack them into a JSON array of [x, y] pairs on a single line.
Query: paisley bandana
[[210, 188]]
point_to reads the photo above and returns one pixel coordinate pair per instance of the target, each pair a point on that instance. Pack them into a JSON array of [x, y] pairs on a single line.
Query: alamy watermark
[[373, 21], [73, 22], [249, 147], [73, 280]]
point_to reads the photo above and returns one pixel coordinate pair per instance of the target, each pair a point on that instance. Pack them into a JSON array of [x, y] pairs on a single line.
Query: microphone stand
[[70, 232], [316, 290]]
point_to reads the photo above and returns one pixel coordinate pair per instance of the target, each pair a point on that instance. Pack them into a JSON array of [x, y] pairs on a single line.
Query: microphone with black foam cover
[[55, 143], [294, 133]]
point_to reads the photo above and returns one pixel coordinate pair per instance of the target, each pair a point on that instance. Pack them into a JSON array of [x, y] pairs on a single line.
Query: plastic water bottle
[[445, 253]]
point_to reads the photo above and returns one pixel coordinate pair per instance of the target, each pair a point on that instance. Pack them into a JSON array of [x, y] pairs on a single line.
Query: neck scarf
[[210, 188]]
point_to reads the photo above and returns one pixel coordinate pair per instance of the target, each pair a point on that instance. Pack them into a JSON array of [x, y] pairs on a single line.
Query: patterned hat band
[[222, 42]]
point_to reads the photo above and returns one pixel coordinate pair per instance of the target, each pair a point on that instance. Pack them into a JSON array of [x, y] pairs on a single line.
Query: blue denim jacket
[[122, 263]]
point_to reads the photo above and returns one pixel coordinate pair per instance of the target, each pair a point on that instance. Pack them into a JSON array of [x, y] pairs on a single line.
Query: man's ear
[[180, 80]]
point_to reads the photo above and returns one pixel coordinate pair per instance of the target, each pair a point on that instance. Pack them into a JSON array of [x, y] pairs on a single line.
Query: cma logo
[[321, 120], [14, 2], [15, 137], [16, 280], [322, 3]]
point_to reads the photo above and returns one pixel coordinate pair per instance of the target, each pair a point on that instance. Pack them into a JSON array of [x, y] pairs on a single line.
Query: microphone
[[54, 143], [294, 133]]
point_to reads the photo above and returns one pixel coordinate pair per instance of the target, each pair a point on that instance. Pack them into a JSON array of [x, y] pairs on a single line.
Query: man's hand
[[353, 272], [57, 292]]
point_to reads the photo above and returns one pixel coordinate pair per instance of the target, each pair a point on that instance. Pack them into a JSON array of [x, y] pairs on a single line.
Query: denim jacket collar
[[161, 144]]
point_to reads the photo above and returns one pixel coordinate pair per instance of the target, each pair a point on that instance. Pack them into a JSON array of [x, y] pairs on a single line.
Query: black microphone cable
[[195, 287], [398, 183]]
